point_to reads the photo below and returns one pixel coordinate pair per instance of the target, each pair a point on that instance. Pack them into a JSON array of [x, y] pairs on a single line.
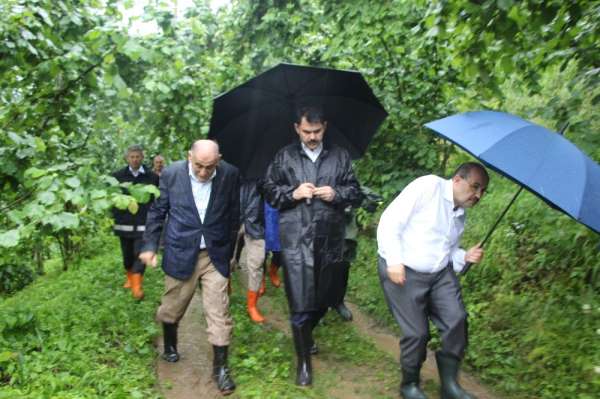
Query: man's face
[[134, 159], [467, 192], [203, 164], [311, 134], [158, 163]]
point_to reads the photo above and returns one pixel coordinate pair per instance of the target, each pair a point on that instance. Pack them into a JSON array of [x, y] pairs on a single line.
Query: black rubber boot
[[170, 340], [302, 343], [409, 388], [343, 311], [221, 374], [448, 366]]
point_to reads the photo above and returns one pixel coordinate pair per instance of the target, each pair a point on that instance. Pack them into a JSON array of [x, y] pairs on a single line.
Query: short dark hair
[[312, 113], [465, 169]]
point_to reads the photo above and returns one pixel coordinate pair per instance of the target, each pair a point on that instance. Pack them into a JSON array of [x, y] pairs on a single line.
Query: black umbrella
[[254, 120]]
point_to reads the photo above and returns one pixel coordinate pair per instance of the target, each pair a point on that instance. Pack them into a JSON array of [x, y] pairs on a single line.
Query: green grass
[[264, 361], [78, 334], [534, 325]]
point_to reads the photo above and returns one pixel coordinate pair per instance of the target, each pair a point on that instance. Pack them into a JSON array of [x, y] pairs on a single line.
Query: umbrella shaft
[[489, 234]]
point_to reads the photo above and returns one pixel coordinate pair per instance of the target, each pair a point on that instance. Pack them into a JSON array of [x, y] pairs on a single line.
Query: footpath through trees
[[370, 372]]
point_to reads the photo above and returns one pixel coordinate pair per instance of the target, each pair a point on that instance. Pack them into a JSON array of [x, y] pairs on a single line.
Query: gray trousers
[[426, 296]]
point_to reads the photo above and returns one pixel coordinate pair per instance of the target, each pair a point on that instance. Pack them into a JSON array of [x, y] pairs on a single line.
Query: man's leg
[[274, 268], [128, 253], [408, 304], [450, 317], [137, 269], [215, 302], [255, 257], [302, 325], [175, 300], [349, 256]]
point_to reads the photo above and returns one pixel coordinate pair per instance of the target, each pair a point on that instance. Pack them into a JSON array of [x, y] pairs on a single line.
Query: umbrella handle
[[489, 233]]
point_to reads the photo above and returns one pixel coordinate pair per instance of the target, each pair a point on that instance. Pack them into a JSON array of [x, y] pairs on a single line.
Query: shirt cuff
[[458, 260], [392, 260]]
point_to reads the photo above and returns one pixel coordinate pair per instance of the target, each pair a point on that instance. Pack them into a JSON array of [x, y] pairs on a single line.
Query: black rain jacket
[[311, 235]]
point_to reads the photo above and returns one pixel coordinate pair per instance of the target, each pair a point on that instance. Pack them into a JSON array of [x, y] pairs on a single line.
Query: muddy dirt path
[[389, 344], [190, 377]]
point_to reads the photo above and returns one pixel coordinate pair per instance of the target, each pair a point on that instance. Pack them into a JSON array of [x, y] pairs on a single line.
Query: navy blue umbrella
[[543, 161]]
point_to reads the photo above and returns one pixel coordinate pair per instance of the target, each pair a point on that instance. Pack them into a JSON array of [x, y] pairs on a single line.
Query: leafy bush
[[14, 277], [79, 334]]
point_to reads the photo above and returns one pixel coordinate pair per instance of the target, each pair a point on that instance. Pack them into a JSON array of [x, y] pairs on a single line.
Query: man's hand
[[305, 190], [474, 254], [397, 274], [148, 258], [324, 193]]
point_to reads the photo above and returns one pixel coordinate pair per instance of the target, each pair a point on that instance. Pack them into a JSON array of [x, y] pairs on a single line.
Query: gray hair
[[134, 148]]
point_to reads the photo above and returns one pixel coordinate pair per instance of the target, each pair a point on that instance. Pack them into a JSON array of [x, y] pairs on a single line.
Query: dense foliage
[[76, 89]]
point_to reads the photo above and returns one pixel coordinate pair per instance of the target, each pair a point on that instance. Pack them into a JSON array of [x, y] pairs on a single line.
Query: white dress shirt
[[135, 173], [313, 154], [201, 192], [421, 228]]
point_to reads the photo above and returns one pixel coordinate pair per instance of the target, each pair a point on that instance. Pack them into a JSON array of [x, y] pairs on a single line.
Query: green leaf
[[34, 173], [10, 238], [73, 182], [47, 197], [64, 220], [40, 146], [121, 201], [505, 4], [133, 207], [163, 87]]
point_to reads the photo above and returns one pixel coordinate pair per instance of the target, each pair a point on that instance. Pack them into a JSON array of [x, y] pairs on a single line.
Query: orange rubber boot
[[263, 287], [128, 280], [136, 286], [273, 275], [253, 312]]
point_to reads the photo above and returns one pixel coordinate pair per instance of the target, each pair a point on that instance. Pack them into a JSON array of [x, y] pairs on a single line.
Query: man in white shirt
[[419, 255]]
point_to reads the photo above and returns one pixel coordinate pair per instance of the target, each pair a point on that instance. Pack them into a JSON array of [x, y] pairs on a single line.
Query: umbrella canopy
[[543, 161], [254, 120]]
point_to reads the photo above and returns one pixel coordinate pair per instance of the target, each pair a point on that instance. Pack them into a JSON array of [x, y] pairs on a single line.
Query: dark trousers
[[299, 318], [341, 284], [130, 248], [426, 296]]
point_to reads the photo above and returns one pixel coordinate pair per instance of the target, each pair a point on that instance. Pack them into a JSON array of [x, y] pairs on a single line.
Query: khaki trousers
[[252, 259], [215, 300]]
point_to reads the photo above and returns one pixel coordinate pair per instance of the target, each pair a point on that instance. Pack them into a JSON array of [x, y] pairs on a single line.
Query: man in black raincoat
[[310, 182]]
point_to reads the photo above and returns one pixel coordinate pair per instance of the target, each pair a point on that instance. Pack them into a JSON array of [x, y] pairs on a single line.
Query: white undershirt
[[421, 228], [313, 154], [135, 173], [201, 192]]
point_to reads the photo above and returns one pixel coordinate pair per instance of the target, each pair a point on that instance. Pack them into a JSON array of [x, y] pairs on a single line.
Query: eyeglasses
[[476, 187]]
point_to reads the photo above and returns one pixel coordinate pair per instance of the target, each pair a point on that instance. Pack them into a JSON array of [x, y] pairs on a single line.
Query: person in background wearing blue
[[272, 244]]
